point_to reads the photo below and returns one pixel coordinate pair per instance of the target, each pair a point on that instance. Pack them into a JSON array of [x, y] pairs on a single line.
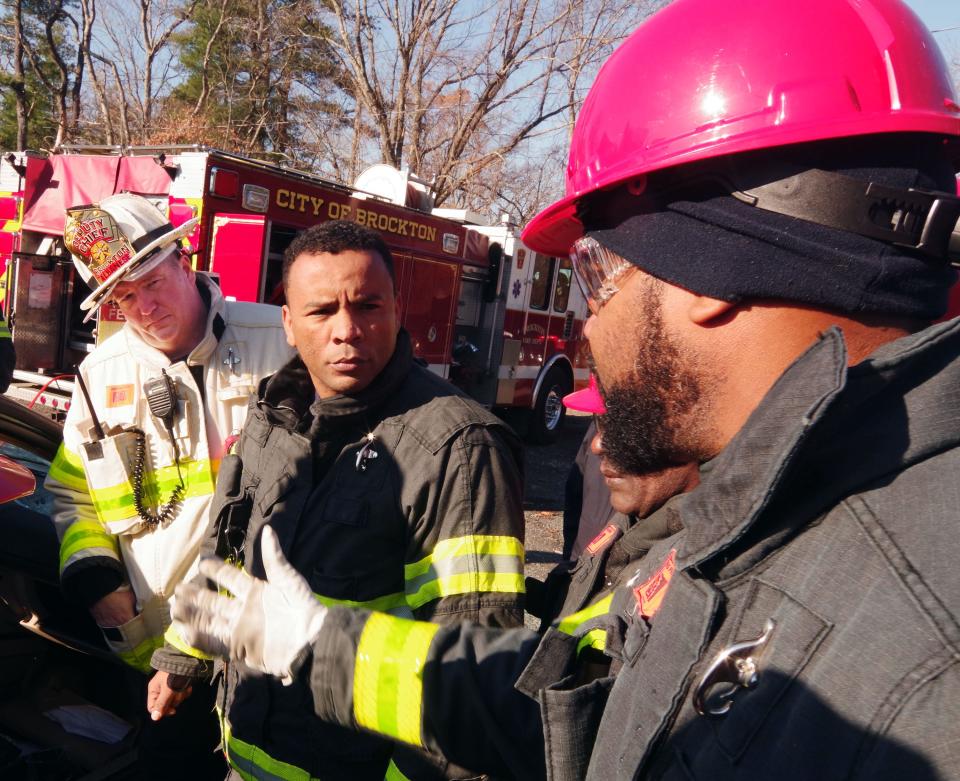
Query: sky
[[940, 16]]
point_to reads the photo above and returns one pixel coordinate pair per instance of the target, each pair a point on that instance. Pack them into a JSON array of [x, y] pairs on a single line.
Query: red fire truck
[[499, 320]]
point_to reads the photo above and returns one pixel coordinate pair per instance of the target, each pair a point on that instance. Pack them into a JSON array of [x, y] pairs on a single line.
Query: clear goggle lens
[[598, 270]]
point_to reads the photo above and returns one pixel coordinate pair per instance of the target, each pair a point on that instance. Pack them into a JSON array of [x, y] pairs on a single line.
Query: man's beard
[[654, 418]]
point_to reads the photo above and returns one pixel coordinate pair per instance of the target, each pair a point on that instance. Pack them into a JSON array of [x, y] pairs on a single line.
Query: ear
[[704, 310], [187, 265], [288, 325]]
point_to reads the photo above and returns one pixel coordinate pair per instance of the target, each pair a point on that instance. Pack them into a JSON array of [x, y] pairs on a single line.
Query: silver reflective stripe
[[463, 565]]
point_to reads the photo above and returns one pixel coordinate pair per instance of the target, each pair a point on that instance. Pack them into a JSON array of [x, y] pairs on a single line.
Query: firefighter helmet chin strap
[[921, 220]]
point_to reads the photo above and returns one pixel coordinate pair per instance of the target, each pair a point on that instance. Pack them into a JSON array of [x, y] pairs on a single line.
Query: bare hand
[[165, 692], [115, 609]]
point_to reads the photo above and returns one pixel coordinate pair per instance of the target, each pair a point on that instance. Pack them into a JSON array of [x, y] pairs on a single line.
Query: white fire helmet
[[120, 239]]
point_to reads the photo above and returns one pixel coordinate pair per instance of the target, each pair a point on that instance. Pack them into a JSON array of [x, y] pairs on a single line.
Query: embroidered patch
[[651, 592], [603, 539], [119, 395]]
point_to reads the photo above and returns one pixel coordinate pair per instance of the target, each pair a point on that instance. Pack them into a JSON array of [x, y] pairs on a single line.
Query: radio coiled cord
[[168, 510]]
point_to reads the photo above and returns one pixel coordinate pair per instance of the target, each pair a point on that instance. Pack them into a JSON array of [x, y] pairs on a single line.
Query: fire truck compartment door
[[236, 254], [41, 299], [429, 308]]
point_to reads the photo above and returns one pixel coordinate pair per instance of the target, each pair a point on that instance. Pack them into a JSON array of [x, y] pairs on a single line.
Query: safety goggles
[[599, 271]]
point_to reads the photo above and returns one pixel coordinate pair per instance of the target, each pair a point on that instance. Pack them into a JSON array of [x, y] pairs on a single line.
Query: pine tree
[[251, 67]]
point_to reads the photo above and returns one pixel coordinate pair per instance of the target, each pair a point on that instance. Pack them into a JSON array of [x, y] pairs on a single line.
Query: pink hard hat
[[587, 399], [723, 78]]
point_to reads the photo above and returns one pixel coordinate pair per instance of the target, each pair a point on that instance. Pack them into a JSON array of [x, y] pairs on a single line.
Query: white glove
[[268, 624]]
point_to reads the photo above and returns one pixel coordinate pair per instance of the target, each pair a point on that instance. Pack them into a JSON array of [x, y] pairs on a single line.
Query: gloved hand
[[268, 624]]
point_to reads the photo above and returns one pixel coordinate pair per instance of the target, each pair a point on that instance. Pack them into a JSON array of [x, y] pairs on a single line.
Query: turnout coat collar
[[288, 398], [823, 431]]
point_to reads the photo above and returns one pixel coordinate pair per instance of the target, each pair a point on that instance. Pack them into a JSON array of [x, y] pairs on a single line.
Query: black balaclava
[[686, 229]]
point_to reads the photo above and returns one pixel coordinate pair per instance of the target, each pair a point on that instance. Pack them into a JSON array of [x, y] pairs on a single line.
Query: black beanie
[[716, 245]]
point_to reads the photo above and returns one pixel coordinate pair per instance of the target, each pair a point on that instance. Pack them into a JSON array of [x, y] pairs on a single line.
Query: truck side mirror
[[491, 287]]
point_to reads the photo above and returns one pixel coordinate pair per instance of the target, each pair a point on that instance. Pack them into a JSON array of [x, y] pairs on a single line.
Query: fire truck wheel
[[548, 412]]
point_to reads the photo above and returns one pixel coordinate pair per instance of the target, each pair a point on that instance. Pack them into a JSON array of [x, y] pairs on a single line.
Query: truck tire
[[548, 412]]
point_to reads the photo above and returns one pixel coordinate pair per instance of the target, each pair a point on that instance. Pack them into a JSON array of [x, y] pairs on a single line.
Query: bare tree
[[101, 95], [134, 46], [122, 134], [432, 75], [596, 28], [83, 30], [158, 21], [531, 177], [453, 88], [59, 90], [18, 83], [520, 187]]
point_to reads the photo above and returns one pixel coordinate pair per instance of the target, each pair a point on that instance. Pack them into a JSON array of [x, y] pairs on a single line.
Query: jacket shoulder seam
[[456, 412]]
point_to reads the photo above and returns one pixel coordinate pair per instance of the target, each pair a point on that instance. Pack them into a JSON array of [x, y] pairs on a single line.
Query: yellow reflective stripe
[[196, 474], [254, 764], [471, 545], [139, 657], [115, 503], [595, 638], [83, 535], [465, 565], [384, 604], [571, 623], [388, 676], [4, 330], [467, 583], [67, 468], [172, 637], [394, 773]]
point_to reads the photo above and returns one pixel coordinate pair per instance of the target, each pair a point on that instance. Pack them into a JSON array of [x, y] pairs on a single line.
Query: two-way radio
[[161, 396]]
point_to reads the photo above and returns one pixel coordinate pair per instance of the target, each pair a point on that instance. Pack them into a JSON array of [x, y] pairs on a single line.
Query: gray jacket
[[833, 514]]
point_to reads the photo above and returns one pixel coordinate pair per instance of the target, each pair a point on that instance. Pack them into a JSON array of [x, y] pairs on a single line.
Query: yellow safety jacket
[[101, 533]]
